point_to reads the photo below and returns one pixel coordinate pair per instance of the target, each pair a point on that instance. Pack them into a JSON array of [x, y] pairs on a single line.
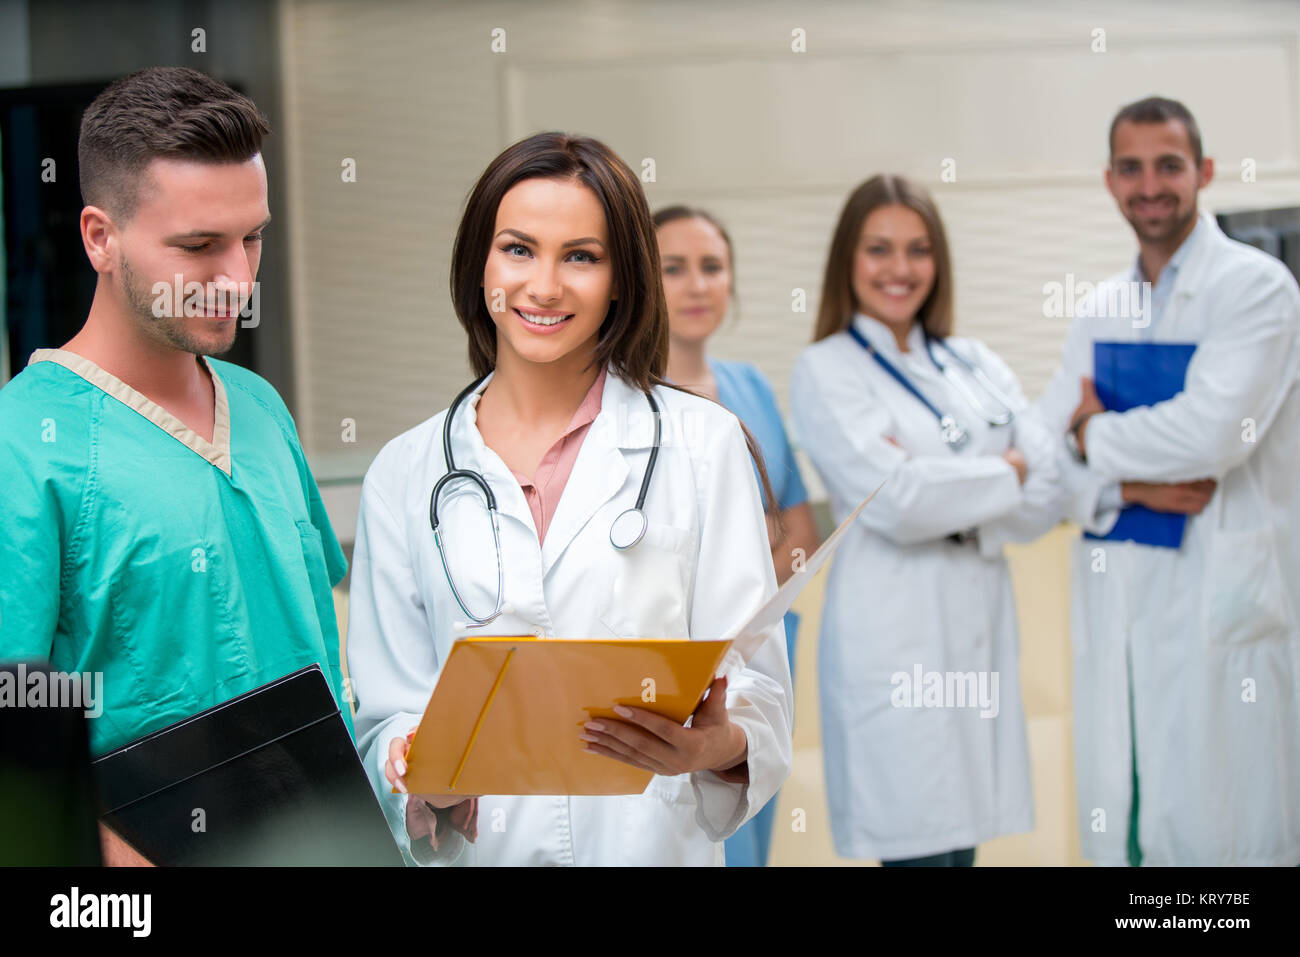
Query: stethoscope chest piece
[[628, 529], [953, 434]]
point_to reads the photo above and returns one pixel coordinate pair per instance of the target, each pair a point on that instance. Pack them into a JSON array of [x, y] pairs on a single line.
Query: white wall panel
[[770, 140]]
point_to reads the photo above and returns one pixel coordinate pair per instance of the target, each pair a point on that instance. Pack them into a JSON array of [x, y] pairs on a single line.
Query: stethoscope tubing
[[1003, 418], [454, 474]]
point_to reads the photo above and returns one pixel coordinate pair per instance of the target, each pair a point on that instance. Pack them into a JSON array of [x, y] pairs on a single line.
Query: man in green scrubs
[[161, 525]]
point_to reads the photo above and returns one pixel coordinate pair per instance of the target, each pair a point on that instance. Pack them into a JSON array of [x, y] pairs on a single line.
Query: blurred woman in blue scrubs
[[696, 256]]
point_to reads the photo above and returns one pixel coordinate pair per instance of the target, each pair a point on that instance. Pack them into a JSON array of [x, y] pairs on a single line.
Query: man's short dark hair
[[1158, 109], [163, 112]]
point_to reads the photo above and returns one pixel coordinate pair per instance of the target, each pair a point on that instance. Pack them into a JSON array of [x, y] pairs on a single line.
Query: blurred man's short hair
[[1158, 109]]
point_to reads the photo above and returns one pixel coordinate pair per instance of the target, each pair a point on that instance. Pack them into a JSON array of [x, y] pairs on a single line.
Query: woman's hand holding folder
[[650, 741], [395, 771], [431, 820]]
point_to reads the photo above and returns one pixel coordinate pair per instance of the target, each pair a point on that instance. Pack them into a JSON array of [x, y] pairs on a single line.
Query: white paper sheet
[[750, 634]]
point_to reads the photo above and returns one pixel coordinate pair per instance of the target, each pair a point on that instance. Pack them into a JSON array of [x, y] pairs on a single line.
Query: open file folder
[[506, 713], [1130, 375]]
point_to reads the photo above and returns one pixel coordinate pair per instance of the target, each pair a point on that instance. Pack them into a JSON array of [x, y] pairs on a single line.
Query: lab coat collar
[[882, 337], [1187, 261], [470, 452], [467, 444], [625, 420], [625, 424]]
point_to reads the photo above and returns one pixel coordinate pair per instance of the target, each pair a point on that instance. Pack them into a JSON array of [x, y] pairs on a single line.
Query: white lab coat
[[704, 563], [1200, 645], [914, 781]]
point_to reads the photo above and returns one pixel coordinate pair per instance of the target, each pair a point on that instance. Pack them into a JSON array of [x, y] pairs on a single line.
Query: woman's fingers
[[627, 739], [614, 748], [395, 766], [397, 749], [671, 731]]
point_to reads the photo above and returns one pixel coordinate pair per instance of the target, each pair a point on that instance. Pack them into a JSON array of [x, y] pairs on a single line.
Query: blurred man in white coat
[[1186, 659]]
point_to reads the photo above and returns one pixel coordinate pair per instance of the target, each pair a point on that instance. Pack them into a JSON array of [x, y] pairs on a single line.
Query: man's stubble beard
[[1165, 237], [170, 331]]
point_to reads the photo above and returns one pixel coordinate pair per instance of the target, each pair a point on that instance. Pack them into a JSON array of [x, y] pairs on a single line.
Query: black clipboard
[[270, 777]]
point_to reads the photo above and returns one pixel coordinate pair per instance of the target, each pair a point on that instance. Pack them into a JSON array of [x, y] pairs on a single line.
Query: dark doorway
[[49, 283]]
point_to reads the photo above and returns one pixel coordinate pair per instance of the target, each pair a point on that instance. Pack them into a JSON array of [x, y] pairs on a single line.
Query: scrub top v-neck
[[187, 571]]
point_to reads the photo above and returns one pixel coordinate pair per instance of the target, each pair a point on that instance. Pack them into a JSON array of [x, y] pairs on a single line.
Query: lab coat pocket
[[1244, 597], [659, 826], [650, 592]]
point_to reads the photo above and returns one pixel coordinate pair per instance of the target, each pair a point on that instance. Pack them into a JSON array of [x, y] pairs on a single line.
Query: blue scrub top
[[744, 390]]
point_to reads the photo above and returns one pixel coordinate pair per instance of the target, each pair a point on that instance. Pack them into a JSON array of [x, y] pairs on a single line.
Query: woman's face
[[548, 280], [697, 277], [893, 265]]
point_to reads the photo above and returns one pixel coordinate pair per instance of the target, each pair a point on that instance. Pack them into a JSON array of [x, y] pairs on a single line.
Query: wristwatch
[[1072, 440]]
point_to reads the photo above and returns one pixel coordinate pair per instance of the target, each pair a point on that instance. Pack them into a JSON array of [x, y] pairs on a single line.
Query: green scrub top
[[186, 571]]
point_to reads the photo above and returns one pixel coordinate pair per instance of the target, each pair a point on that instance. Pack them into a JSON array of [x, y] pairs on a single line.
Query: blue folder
[[1129, 375]]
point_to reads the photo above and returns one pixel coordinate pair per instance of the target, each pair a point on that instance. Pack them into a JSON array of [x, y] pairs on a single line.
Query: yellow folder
[[506, 713]]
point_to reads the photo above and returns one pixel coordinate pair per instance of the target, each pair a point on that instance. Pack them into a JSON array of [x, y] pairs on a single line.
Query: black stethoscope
[[626, 530], [954, 435]]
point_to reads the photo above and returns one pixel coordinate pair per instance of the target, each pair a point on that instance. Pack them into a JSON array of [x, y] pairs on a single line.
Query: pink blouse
[[543, 490]]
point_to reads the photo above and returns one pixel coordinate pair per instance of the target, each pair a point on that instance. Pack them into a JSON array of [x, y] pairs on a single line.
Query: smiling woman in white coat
[[555, 277], [922, 724]]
